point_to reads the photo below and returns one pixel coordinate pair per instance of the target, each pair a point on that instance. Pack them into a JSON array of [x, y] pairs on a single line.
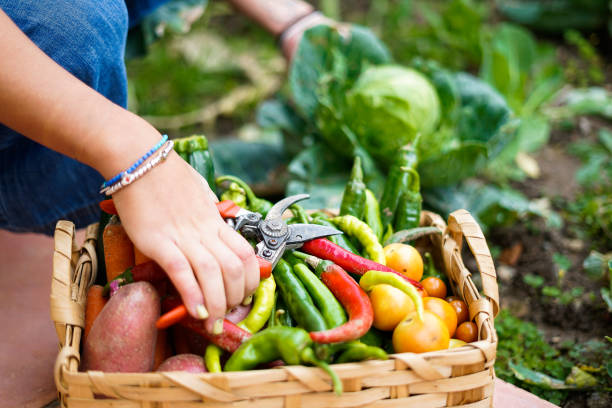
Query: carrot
[[161, 348], [139, 257], [118, 249], [172, 317], [95, 304]]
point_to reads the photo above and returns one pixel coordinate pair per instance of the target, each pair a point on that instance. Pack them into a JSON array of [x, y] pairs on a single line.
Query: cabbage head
[[388, 106]]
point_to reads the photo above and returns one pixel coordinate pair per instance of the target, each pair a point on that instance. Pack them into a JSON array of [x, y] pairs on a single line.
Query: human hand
[[170, 215]]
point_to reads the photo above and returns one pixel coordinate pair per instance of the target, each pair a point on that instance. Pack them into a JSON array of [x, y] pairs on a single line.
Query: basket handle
[[462, 225]]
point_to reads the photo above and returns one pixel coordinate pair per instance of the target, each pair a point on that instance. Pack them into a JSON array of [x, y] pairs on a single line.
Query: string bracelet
[[129, 178], [134, 166]]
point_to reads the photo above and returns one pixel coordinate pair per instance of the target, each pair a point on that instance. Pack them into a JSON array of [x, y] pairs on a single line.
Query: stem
[[309, 357], [249, 193]]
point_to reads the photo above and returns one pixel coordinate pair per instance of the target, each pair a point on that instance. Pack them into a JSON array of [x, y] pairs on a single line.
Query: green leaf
[[606, 295], [580, 379], [318, 171], [535, 281], [556, 16], [551, 291], [320, 51], [452, 165], [446, 88], [561, 261], [537, 378], [490, 205], [482, 114], [589, 101], [596, 265], [508, 57], [255, 163]]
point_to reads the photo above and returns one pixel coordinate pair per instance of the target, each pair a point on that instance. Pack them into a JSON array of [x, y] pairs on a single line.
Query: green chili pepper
[[429, 269], [299, 302], [354, 198], [255, 203], [212, 358], [262, 306], [339, 240], [357, 351], [388, 233], [300, 214], [281, 314], [373, 337], [330, 308], [291, 344], [364, 234], [411, 234], [271, 319], [408, 213], [373, 278], [236, 194], [194, 150], [397, 182], [372, 214]]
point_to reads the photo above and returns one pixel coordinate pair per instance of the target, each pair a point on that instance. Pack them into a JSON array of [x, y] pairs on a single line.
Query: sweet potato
[[184, 362], [122, 338]]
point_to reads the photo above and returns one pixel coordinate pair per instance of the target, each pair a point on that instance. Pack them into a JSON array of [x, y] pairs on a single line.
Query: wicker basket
[[461, 377]]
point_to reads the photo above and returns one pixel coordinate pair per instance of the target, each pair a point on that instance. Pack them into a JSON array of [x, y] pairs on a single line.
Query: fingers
[[232, 270], [178, 269], [245, 253], [207, 270]]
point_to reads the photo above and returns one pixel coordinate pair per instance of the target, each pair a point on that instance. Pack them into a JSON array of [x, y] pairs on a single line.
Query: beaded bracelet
[[129, 178], [134, 166]]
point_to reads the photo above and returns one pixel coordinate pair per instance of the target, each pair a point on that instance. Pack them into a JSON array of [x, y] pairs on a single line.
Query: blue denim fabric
[[86, 37]]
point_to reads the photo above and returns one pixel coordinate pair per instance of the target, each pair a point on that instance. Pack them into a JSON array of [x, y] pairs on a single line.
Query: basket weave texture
[[460, 377]]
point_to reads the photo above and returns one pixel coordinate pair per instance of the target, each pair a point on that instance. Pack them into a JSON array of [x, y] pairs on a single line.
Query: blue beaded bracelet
[[134, 166]]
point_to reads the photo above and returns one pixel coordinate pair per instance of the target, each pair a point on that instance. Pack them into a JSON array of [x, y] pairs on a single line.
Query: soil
[[585, 318]]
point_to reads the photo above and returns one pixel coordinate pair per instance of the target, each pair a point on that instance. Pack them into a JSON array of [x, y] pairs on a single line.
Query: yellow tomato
[[404, 259], [390, 306], [419, 336]]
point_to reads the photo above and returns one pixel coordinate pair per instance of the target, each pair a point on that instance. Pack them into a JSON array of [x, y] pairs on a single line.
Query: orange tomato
[[443, 310], [467, 331], [419, 336], [390, 306], [434, 286], [451, 298], [404, 259], [460, 308]]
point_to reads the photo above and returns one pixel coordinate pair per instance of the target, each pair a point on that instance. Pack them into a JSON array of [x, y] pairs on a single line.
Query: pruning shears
[[272, 234]]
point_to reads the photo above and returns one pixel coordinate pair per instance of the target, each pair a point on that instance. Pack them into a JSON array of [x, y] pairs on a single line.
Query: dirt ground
[[584, 318]]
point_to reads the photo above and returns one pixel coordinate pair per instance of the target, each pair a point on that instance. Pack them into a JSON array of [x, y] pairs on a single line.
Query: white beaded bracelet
[[129, 178]]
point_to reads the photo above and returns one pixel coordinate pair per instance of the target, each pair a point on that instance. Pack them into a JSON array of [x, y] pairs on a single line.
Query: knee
[[86, 37]]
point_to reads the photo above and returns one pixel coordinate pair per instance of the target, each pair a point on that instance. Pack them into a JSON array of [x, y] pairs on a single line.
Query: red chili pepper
[[349, 261], [355, 301], [108, 206], [231, 338]]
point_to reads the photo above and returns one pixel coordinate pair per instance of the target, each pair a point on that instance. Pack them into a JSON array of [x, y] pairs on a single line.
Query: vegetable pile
[[343, 299]]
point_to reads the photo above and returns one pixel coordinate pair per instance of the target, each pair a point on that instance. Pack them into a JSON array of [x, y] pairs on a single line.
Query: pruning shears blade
[[300, 233], [279, 208]]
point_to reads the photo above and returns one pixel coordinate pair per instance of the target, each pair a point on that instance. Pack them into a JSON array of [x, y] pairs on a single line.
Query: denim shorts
[[87, 37]]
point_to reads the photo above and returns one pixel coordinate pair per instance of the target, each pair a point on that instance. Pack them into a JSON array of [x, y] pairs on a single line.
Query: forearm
[[44, 102], [273, 15]]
